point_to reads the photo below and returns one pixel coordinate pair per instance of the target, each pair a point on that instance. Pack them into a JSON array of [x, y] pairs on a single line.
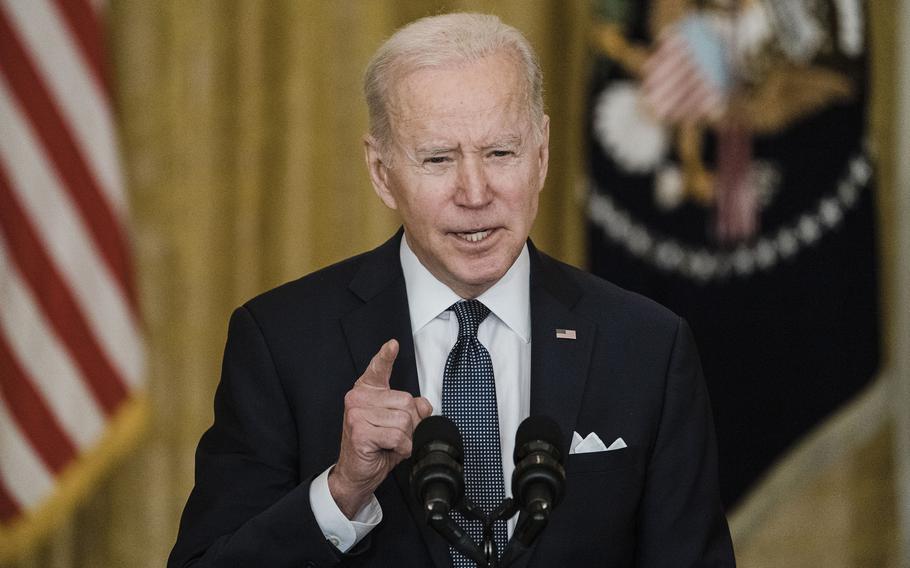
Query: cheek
[[423, 212], [418, 203], [520, 186], [523, 201]]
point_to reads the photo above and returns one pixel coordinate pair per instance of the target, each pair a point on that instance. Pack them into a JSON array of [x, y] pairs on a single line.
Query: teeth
[[474, 237]]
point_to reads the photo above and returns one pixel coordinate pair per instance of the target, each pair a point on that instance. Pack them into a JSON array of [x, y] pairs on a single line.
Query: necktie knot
[[469, 313]]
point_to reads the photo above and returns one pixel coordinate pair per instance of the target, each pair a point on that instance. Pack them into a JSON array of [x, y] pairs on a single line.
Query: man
[[325, 378]]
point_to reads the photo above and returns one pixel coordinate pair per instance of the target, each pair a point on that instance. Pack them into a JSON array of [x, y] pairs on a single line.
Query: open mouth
[[475, 236]]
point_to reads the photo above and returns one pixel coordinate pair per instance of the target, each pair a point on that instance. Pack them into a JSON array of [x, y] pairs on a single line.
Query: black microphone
[[437, 479], [438, 475], [539, 480]]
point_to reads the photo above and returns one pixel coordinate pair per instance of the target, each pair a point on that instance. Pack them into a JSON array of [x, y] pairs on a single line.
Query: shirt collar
[[509, 298]]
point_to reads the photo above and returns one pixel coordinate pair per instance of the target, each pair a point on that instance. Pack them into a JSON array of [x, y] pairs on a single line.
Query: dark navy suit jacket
[[292, 354]]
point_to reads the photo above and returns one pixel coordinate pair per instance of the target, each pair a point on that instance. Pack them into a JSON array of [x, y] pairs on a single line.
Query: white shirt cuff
[[342, 532]]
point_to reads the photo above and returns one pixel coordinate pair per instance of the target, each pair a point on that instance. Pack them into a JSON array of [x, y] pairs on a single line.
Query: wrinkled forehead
[[478, 95], [479, 119]]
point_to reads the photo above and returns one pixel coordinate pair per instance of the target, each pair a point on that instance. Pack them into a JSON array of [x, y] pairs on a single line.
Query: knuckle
[[400, 399], [359, 436], [403, 443], [403, 421], [353, 417], [399, 438]]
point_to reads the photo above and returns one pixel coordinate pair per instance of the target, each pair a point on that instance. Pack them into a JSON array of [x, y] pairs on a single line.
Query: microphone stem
[[489, 543]]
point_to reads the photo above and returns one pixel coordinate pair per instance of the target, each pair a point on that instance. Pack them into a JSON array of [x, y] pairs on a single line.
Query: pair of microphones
[[538, 485]]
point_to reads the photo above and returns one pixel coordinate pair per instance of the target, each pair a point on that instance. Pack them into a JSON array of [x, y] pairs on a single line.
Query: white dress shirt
[[506, 333]]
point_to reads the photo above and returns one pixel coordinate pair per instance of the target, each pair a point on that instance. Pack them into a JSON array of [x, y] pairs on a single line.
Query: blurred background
[[743, 162]]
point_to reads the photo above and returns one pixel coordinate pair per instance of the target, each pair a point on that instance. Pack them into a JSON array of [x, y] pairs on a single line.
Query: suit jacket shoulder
[[602, 299], [329, 289]]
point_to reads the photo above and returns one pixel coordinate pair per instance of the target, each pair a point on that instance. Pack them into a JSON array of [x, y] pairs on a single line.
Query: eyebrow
[[434, 150], [512, 140]]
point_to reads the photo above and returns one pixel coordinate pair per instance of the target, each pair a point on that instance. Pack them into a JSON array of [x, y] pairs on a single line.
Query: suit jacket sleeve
[[682, 522], [250, 504]]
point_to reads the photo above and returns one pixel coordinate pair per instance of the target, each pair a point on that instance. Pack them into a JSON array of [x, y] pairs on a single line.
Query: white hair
[[440, 41]]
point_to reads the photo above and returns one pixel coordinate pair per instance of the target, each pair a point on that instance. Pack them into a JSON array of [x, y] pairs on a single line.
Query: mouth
[[474, 236]]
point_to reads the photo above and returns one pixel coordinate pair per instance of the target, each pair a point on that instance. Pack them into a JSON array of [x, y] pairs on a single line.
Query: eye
[[501, 153], [436, 160]]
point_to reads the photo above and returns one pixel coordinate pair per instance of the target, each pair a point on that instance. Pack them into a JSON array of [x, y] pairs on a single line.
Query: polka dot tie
[[469, 399]]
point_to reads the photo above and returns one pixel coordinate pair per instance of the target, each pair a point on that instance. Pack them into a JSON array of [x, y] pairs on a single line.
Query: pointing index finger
[[380, 368]]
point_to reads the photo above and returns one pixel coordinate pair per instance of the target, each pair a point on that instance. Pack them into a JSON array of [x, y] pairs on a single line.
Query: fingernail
[[390, 347]]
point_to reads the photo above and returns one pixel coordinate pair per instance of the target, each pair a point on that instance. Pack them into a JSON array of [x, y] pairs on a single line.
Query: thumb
[[424, 408]]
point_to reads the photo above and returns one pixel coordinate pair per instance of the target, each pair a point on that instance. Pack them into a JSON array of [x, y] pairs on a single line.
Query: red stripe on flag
[[36, 421], [670, 83], [698, 103], [667, 85], [55, 298], [55, 135], [82, 21], [665, 59], [681, 101], [9, 507], [686, 88]]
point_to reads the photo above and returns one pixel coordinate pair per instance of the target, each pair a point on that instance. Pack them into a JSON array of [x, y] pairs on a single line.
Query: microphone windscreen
[[436, 429], [539, 428]]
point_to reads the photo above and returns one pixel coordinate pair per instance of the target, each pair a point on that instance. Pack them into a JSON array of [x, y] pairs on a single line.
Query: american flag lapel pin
[[565, 334]]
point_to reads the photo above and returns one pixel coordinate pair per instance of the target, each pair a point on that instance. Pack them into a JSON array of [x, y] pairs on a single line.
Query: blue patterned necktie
[[469, 399]]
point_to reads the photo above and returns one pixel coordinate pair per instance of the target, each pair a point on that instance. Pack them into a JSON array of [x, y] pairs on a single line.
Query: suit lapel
[[384, 315], [559, 367]]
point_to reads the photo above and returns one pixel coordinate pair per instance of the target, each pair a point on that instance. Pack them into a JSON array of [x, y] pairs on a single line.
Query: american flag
[[71, 354], [687, 76]]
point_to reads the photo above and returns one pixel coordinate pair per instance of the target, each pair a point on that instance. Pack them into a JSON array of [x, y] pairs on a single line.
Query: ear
[[379, 171], [543, 151]]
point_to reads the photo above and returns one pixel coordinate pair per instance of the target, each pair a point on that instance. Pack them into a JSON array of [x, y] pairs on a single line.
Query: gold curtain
[[241, 123]]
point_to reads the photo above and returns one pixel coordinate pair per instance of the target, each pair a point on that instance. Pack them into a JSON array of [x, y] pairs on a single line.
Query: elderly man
[[325, 378]]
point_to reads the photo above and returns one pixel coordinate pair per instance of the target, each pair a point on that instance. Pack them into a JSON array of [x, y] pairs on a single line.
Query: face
[[464, 169]]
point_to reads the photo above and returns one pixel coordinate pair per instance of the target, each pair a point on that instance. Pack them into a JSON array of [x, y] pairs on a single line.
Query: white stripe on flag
[[699, 102], [21, 471], [63, 234], [44, 360], [673, 85], [666, 57], [62, 69]]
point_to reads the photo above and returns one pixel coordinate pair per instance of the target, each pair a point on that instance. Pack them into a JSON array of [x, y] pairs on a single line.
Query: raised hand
[[376, 435]]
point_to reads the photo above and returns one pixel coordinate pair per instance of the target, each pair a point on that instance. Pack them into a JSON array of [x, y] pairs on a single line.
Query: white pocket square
[[593, 443]]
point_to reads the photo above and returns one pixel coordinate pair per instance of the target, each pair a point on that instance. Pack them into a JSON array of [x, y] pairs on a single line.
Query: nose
[[473, 190]]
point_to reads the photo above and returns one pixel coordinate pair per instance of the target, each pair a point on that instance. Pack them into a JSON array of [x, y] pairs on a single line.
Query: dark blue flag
[[731, 180]]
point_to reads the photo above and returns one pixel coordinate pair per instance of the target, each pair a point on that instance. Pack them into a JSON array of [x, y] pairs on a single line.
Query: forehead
[[477, 98]]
